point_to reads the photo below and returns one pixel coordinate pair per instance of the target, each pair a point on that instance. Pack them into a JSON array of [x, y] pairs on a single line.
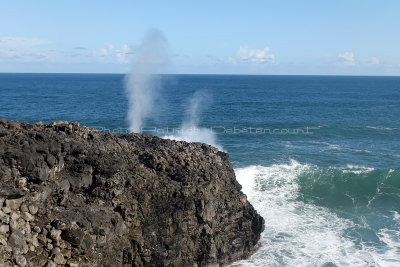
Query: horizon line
[[204, 74]]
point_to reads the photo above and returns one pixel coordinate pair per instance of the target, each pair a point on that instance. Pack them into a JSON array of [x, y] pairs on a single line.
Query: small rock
[[87, 243], [67, 253], [14, 204], [16, 239], [6, 210], [61, 225], [49, 246], [55, 234], [14, 215], [27, 228], [120, 228], [36, 229], [27, 216], [4, 229], [3, 240], [55, 250], [35, 242], [6, 264], [24, 208], [20, 260], [14, 224], [51, 264], [62, 244], [4, 219], [8, 248], [33, 209], [73, 236], [42, 238], [73, 264], [22, 182], [58, 258]]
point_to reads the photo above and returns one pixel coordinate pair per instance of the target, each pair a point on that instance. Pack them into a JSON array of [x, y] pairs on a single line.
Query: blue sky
[[348, 37]]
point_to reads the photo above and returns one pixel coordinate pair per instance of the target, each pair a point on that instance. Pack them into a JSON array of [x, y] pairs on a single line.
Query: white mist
[[141, 83], [190, 130]]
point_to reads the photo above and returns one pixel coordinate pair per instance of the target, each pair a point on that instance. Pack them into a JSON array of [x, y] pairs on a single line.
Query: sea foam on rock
[[73, 195]]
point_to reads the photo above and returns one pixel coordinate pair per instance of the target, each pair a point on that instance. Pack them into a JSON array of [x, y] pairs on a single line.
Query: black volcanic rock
[[74, 195]]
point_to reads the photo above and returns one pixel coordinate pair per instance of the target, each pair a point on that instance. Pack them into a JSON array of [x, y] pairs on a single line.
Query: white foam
[[195, 134], [326, 145], [381, 128], [296, 233], [357, 169], [390, 255]]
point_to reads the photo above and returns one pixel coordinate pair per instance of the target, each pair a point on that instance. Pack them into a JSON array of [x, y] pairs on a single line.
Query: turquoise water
[[318, 156]]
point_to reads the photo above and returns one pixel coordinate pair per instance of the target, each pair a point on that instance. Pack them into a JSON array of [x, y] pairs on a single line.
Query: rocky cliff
[[74, 196]]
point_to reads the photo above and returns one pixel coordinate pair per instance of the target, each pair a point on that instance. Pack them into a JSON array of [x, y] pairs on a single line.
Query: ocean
[[318, 156]]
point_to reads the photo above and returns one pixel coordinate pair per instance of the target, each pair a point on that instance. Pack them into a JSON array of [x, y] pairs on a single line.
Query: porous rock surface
[[74, 196]]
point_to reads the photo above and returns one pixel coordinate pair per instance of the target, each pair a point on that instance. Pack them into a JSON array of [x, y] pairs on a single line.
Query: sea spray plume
[[141, 84], [190, 130], [199, 101]]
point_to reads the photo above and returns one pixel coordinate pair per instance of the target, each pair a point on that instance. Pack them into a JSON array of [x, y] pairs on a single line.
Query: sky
[[341, 37]]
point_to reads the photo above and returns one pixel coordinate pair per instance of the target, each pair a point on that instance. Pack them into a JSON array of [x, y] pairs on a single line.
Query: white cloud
[[231, 60], [20, 42], [373, 61], [255, 55], [22, 49], [111, 54], [126, 48], [347, 58], [103, 52]]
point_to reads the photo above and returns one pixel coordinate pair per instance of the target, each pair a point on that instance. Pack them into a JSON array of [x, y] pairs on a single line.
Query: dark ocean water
[[318, 156]]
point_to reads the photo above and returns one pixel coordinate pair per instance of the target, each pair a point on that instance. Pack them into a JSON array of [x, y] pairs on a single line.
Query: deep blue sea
[[318, 156]]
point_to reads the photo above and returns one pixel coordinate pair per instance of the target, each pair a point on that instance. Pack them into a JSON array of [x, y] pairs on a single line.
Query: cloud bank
[[373, 61], [347, 58], [258, 56], [22, 49]]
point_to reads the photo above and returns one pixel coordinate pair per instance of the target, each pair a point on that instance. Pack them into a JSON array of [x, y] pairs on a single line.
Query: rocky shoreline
[[74, 196]]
